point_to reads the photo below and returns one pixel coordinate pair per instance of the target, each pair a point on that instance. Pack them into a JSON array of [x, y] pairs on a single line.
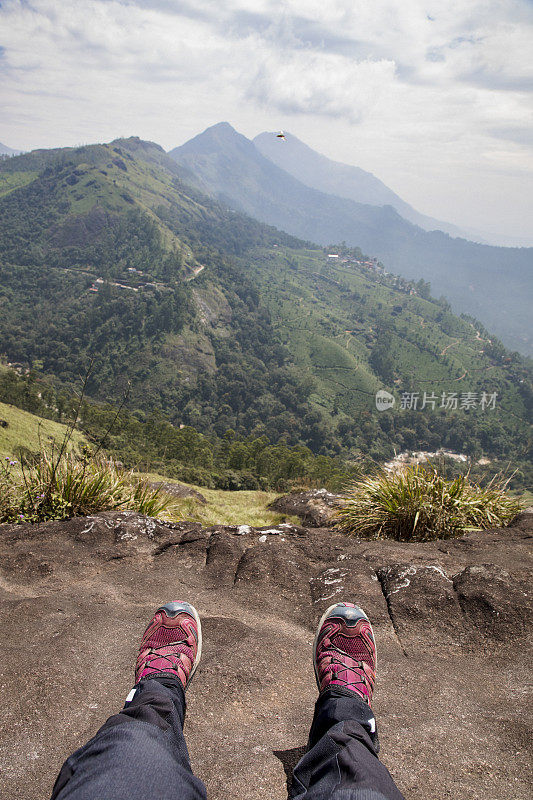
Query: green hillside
[[110, 260], [355, 330], [22, 432], [491, 283]]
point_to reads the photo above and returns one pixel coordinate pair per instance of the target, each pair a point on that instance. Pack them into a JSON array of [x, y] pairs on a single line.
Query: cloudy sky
[[432, 96]]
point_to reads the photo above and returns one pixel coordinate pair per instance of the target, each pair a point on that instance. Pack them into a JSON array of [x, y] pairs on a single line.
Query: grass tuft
[[418, 504], [65, 487]]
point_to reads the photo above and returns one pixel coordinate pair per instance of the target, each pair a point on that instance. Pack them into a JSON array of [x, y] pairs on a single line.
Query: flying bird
[[281, 135]]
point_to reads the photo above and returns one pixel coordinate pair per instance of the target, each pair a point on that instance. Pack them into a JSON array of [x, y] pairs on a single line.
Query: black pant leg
[[138, 754], [341, 762]]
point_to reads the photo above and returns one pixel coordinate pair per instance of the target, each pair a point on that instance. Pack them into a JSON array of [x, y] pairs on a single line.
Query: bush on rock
[[418, 504]]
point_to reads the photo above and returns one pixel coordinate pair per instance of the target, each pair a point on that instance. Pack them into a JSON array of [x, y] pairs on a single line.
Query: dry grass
[[226, 508]]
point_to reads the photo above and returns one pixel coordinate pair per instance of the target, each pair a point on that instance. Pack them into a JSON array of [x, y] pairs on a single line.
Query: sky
[[434, 97]]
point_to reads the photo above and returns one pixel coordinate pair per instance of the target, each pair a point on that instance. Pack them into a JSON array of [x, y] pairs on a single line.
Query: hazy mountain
[[8, 151], [332, 177], [223, 323], [490, 283]]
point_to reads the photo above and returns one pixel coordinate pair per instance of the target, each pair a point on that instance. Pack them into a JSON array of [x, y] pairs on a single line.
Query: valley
[[111, 258], [489, 283]]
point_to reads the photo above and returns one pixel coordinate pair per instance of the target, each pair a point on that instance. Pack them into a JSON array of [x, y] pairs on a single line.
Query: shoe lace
[[342, 665], [171, 660]]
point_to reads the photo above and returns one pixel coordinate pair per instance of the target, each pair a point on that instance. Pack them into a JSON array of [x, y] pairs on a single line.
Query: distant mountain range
[[8, 151], [110, 257], [492, 284], [343, 180]]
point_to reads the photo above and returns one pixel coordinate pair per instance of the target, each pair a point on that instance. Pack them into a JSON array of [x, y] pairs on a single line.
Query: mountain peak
[[221, 138], [221, 126], [135, 143], [221, 132]]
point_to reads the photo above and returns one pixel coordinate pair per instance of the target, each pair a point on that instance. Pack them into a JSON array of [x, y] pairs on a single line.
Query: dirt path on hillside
[[445, 350]]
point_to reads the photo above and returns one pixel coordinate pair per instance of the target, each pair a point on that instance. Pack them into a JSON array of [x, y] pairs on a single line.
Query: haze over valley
[[337, 203]]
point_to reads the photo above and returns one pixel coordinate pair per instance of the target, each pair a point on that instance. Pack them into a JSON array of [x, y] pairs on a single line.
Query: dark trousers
[[140, 753]]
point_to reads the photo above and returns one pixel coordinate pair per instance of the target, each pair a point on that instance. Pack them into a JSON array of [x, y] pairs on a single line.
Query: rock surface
[[315, 508], [178, 490], [452, 621]]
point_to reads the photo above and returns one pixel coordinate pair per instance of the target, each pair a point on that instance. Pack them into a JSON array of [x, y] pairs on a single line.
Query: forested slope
[[491, 283], [216, 321]]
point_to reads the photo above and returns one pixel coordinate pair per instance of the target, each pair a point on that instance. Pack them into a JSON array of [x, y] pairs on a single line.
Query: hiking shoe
[[344, 651], [171, 644]]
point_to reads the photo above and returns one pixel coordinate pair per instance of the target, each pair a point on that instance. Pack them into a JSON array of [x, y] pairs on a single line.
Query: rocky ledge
[[316, 507], [452, 621]]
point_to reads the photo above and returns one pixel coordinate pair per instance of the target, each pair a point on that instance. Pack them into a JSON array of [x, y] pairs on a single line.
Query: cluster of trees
[[149, 442], [51, 322]]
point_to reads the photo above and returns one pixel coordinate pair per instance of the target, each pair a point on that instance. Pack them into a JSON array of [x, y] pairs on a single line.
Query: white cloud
[[320, 83], [430, 96]]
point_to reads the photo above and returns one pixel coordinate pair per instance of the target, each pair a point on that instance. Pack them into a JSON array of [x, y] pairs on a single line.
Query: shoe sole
[[325, 615], [172, 610]]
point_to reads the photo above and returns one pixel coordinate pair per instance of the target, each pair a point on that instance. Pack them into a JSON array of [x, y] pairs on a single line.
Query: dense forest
[[247, 338], [150, 443]]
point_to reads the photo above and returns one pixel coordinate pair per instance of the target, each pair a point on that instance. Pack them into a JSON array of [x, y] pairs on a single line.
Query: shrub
[[60, 488], [418, 504]]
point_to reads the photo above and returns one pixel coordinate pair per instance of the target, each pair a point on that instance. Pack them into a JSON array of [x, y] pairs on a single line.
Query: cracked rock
[[452, 621]]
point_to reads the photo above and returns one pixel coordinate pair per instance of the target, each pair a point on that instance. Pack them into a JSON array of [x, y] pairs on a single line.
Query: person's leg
[[341, 761], [140, 753]]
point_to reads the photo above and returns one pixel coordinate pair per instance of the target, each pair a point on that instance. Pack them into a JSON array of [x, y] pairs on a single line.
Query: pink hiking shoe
[[172, 643], [344, 651]]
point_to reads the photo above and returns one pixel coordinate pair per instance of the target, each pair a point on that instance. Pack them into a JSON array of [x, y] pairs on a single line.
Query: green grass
[[11, 181], [226, 508], [29, 431], [418, 504]]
